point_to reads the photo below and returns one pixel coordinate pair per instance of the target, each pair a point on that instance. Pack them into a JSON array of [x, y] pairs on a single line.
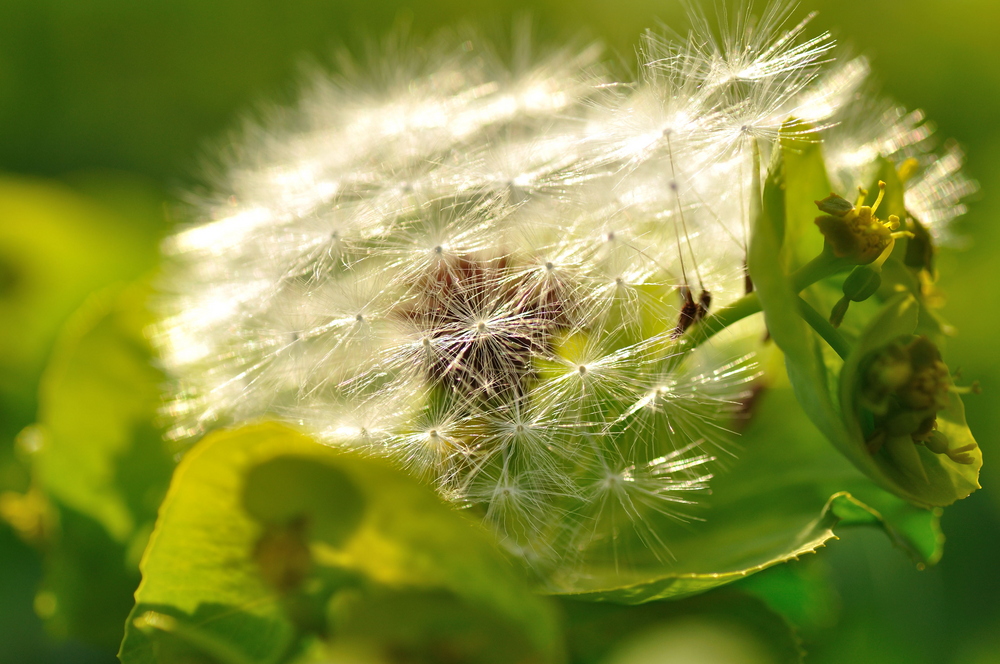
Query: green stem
[[756, 191], [703, 330], [821, 267], [749, 304], [823, 327]]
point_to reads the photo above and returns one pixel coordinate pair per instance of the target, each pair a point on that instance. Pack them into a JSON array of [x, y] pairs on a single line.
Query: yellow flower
[[853, 231]]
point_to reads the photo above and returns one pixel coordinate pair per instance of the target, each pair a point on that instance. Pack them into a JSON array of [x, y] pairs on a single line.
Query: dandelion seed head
[[477, 270]]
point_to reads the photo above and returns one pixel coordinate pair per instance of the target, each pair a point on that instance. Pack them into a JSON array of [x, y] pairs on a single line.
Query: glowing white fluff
[[480, 274]]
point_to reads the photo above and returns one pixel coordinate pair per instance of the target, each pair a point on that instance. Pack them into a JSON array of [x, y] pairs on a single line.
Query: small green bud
[[861, 284], [905, 386], [928, 385], [835, 205], [920, 248], [887, 371]]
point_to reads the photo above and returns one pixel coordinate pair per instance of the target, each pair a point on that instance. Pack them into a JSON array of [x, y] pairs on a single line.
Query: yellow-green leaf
[[268, 540]]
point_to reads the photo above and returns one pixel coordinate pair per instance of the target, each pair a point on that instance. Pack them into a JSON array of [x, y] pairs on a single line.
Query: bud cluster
[[905, 386]]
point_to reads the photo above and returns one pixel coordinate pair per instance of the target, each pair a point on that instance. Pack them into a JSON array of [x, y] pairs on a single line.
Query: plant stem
[[824, 329], [703, 330], [756, 191], [821, 267]]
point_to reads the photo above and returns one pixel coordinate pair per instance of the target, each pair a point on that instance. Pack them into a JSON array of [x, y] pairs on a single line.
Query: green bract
[[914, 473]]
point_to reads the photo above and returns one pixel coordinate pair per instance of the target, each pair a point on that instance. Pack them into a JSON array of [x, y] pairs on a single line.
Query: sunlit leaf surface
[[783, 497], [268, 541]]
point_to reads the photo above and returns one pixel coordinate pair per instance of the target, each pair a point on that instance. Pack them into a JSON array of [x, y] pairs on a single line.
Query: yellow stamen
[[885, 254], [862, 194], [881, 195]]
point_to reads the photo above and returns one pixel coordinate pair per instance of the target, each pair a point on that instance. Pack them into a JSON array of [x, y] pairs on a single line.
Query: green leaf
[[101, 454], [803, 359], [87, 582], [896, 273], [723, 626], [268, 541], [803, 592], [806, 182], [100, 463], [781, 498]]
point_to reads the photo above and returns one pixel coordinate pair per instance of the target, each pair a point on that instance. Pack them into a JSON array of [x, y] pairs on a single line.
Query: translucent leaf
[[268, 541], [806, 182], [781, 498], [100, 463], [100, 452]]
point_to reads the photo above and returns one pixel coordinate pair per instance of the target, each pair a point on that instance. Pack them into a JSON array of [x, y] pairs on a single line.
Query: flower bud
[[862, 282], [860, 285], [887, 372], [905, 386], [920, 248]]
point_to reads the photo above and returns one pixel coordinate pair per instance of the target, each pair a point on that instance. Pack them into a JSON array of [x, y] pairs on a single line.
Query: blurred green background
[[107, 108]]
